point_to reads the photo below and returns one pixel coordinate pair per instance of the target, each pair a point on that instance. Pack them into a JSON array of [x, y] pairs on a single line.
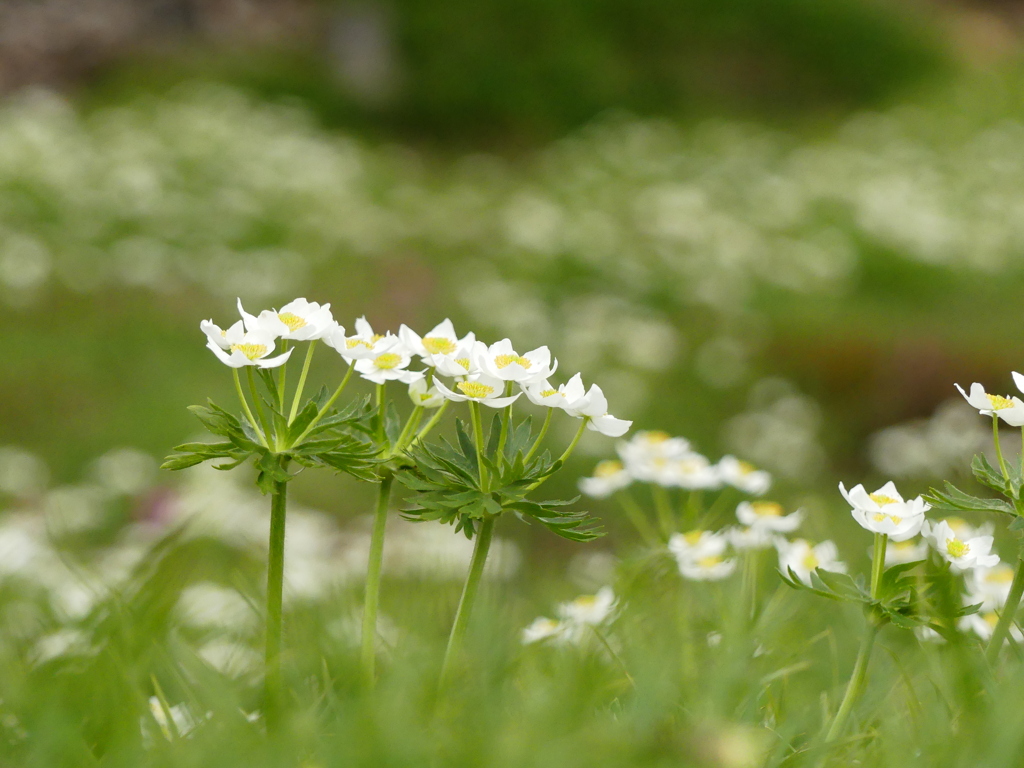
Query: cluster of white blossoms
[[656, 457], [578, 620], [494, 375], [989, 588]]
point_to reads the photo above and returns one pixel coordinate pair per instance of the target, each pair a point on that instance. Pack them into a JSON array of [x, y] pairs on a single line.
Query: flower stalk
[[275, 595], [371, 602], [484, 534]]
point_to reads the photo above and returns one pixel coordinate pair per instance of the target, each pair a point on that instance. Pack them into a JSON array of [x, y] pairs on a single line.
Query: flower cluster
[[578, 620]]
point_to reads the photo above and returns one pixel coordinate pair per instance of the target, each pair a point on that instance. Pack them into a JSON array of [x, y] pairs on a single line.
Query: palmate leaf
[[954, 500]]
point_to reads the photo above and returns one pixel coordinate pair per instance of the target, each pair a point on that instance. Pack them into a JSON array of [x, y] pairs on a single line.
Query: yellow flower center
[[766, 508], [656, 436], [709, 562], [991, 618], [1000, 576], [957, 548], [998, 402], [352, 343], [880, 516], [474, 389], [505, 360], [387, 361], [252, 351], [746, 467], [294, 322], [438, 345], [692, 537], [608, 468], [810, 561], [425, 396], [586, 601], [882, 500], [464, 362], [550, 392]]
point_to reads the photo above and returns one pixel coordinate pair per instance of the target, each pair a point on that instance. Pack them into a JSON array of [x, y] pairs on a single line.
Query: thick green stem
[[429, 425], [302, 383], [275, 592], [372, 600], [856, 685], [259, 405], [637, 518], [248, 412], [540, 436], [478, 441], [476, 569], [664, 510], [1008, 613], [408, 429], [326, 408], [381, 402], [878, 563], [999, 450]]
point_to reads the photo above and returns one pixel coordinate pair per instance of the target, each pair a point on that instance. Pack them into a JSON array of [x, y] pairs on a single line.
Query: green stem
[[1008, 613], [248, 412], [506, 419], [410, 426], [282, 378], [611, 651], [302, 383], [469, 591], [275, 593], [637, 518], [855, 686], [429, 425], [664, 510], [478, 441], [372, 600], [878, 563], [540, 437], [327, 406], [259, 406], [568, 451], [999, 450]]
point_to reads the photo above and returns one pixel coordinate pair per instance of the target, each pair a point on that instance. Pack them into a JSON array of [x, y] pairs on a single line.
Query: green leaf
[[954, 500]]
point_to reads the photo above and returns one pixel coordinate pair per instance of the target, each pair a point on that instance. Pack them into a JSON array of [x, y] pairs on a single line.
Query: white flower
[[983, 624], [298, 320], [542, 393], [965, 530], [590, 610], [363, 345], [768, 516], [961, 554], [423, 396], [647, 455], [802, 558], [696, 544], [710, 568], [459, 364], [609, 476], [885, 511], [478, 389], [1009, 409], [750, 537], [907, 551], [440, 343], [594, 405], [991, 585], [543, 628], [500, 361], [245, 348], [388, 365], [744, 476], [220, 337], [693, 472]]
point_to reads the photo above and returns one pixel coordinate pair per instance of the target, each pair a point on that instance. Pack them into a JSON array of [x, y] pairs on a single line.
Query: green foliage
[[446, 487], [952, 499]]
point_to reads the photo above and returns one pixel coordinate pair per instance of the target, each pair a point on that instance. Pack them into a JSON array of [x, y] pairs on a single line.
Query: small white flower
[[391, 364], [991, 585], [298, 320], [542, 393], [1009, 409], [693, 472], [802, 558], [885, 511], [423, 396], [983, 624], [648, 456], [710, 568], [609, 476], [750, 538], [459, 364], [590, 610], [364, 344], [594, 406], [478, 389], [696, 544], [768, 516], [440, 343], [965, 530], [746, 477], [543, 628], [961, 554], [907, 551], [246, 348], [500, 361], [220, 337]]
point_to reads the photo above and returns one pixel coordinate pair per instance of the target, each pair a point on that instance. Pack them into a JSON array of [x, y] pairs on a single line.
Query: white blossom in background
[[1009, 409], [609, 476], [591, 610], [125, 471], [964, 530], [906, 551], [885, 511], [298, 320], [991, 584], [693, 472], [22, 473], [543, 628], [424, 396], [709, 568], [696, 544], [962, 554], [933, 447], [744, 538], [803, 558], [983, 624], [768, 516], [744, 476]]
